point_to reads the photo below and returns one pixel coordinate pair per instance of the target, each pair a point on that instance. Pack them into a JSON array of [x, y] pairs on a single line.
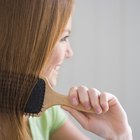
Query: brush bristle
[[35, 101]]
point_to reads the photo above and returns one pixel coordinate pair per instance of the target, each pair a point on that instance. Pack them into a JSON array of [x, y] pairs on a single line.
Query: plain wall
[[105, 39]]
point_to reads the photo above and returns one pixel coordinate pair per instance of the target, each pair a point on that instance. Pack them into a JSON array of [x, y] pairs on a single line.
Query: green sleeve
[[44, 126]]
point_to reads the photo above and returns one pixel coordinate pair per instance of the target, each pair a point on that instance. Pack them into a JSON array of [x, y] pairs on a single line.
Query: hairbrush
[[43, 97]]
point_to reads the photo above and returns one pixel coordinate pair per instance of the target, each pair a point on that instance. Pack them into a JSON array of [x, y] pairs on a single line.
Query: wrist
[[125, 135]]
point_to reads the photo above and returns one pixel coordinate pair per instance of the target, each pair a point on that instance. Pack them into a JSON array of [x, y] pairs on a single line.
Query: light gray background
[[106, 43]]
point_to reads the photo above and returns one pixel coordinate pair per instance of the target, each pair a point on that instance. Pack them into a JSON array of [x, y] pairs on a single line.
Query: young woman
[[34, 43]]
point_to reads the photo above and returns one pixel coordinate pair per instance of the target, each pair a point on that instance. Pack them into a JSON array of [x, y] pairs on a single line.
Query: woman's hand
[[109, 120]]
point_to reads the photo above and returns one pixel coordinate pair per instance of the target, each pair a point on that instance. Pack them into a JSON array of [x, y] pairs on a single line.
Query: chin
[[53, 82]]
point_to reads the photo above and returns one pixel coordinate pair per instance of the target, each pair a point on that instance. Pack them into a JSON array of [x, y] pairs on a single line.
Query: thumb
[[79, 116]]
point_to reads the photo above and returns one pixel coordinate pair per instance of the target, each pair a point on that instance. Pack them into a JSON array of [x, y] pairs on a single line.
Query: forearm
[[127, 135]]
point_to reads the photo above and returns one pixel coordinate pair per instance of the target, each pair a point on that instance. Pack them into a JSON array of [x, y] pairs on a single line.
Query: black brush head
[[35, 101]]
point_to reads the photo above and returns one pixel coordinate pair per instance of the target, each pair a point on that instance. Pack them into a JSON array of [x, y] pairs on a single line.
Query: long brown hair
[[29, 29]]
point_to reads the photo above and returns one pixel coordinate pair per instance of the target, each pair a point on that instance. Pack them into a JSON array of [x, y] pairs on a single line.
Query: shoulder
[[50, 120], [52, 114]]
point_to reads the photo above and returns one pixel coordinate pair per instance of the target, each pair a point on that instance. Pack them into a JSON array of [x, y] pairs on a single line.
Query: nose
[[69, 52]]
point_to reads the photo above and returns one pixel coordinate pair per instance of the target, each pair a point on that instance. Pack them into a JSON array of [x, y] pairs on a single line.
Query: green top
[[44, 126]]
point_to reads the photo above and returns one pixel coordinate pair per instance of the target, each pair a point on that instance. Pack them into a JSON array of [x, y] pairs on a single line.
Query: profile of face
[[60, 52]]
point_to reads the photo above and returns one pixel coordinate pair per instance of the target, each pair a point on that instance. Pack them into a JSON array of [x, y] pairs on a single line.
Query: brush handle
[[54, 98]]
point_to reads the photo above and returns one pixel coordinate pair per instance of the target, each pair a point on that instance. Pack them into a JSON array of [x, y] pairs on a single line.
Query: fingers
[[91, 99], [79, 95], [84, 97], [104, 101], [73, 96], [94, 95]]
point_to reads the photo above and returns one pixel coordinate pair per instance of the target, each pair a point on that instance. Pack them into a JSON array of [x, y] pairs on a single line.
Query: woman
[[34, 43]]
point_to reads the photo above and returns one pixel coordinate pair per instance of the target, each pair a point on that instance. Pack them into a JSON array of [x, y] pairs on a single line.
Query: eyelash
[[64, 38]]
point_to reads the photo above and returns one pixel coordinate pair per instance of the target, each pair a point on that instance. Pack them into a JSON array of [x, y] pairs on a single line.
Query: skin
[[109, 120], [60, 52]]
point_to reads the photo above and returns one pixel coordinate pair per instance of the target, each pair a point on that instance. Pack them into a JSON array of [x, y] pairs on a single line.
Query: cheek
[[58, 55]]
